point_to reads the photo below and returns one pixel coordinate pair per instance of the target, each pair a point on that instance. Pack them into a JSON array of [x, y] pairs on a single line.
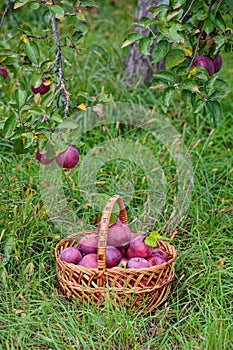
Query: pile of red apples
[[123, 250]]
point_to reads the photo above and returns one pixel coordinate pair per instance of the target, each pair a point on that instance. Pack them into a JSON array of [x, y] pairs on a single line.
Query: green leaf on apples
[[153, 237], [36, 80]]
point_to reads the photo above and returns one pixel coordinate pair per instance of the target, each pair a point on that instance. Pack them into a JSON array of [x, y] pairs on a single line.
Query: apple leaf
[[132, 38], [20, 97], [214, 108], [9, 126], [57, 11], [153, 237], [145, 44], [160, 50]]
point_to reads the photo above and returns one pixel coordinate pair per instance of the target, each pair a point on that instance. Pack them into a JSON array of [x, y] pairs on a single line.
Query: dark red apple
[[71, 255], [137, 263], [217, 61], [42, 158], [160, 253], [89, 243], [155, 260], [89, 261], [113, 256], [137, 248], [119, 235], [42, 89], [4, 73], [68, 159], [205, 62]]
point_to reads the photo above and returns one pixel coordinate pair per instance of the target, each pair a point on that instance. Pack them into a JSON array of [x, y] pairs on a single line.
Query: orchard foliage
[[184, 31], [38, 42]]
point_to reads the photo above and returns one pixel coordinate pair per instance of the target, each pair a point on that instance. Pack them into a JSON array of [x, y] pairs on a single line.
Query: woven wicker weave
[[132, 287]]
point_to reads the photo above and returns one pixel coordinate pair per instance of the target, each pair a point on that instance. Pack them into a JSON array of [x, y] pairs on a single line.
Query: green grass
[[198, 313]]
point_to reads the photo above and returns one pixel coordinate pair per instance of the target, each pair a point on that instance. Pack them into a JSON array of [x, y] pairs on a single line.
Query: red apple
[[71, 255], [137, 248], [160, 253], [137, 263], [119, 235], [4, 73], [217, 61], [113, 256], [155, 260], [89, 261], [68, 159], [42, 89], [205, 62], [42, 158], [89, 243]]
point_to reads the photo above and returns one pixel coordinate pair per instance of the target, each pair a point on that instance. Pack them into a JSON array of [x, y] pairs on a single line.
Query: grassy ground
[[199, 312]]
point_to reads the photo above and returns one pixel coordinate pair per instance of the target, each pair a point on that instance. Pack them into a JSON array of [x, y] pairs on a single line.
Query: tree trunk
[[138, 67]]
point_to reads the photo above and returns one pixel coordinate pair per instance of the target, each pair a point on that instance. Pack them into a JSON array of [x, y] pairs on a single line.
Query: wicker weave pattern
[[129, 286]]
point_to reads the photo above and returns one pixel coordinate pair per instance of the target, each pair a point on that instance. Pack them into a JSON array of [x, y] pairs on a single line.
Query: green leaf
[[36, 80], [189, 84], [20, 3], [198, 106], [166, 76], [57, 11], [153, 237], [57, 118], [174, 58], [31, 51], [186, 96], [20, 97], [28, 139], [214, 108], [208, 26], [34, 5], [9, 126], [99, 51], [160, 51], [132, 38], [167, 94], [145, 45]]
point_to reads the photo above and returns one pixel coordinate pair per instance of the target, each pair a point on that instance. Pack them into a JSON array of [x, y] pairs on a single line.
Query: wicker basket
[[131, 287]]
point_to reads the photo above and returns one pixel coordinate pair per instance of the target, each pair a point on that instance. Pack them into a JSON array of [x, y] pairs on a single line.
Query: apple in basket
[[113, 256], [119, 235], [71, 255], [89, 243], [89, 261], [138, 248], [137, 263]]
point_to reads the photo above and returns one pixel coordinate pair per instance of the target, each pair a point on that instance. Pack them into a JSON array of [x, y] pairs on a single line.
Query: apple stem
[[58, 62]]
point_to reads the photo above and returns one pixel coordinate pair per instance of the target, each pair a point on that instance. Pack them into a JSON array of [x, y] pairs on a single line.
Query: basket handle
[[104, 225]]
